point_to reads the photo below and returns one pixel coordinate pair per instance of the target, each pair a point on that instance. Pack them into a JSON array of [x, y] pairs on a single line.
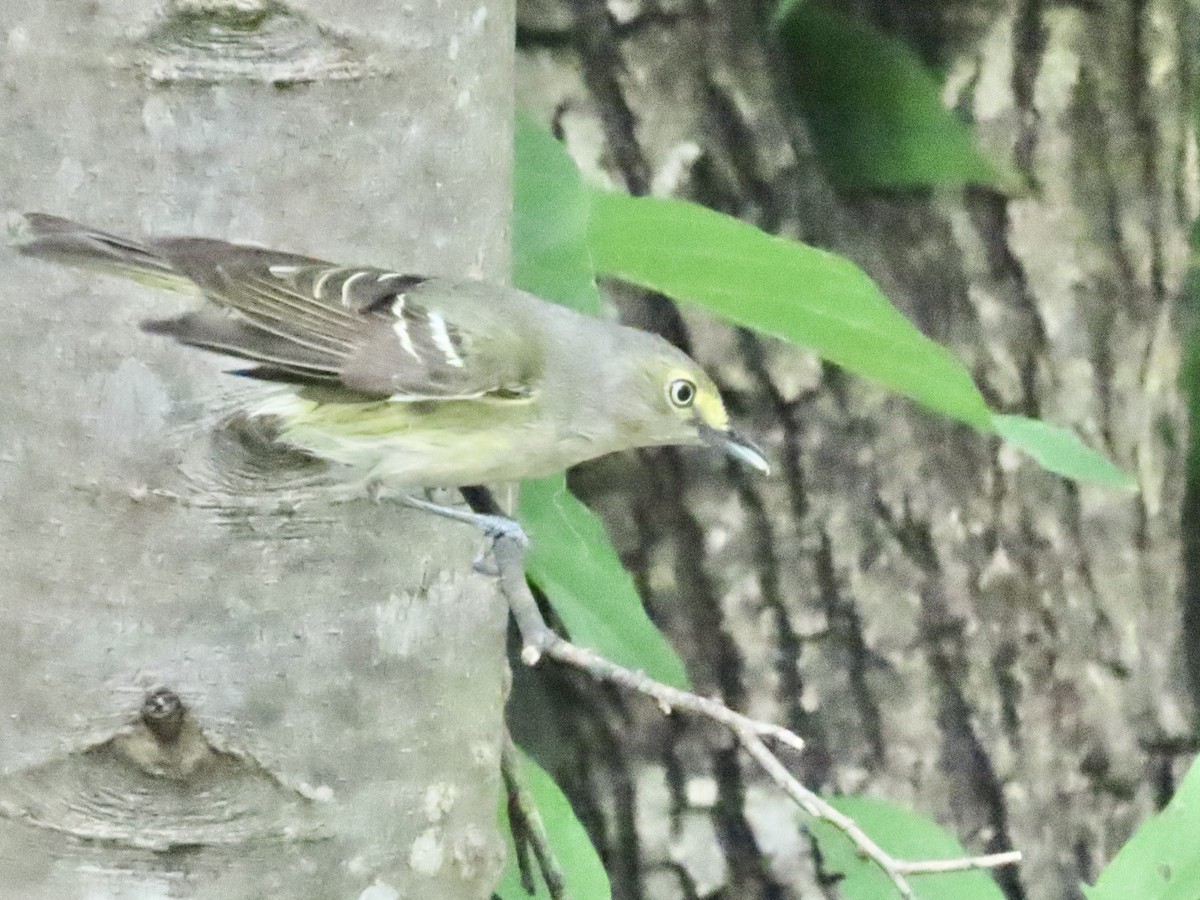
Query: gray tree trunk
[[218, 681], [946, 624]]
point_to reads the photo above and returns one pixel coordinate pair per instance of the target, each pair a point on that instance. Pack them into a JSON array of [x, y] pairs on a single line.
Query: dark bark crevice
[[989, 213], [598, 46], [1147, 140], [1029, 45], [749, 873], [845, 626]]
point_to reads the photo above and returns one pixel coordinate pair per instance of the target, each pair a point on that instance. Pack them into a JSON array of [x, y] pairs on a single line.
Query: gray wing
[[300, 320]]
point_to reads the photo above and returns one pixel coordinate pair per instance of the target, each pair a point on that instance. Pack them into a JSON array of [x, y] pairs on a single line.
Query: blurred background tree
[[947, 625]]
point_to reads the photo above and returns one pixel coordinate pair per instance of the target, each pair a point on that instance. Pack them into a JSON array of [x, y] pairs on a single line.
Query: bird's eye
[[681, 392]]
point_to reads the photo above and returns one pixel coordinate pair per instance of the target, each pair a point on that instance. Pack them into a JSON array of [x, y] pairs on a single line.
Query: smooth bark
[[340, 667]]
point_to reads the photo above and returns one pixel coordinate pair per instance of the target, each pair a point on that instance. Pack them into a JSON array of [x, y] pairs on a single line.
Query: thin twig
[[965, 863], [540, 640], [668, 698], [528, 830]]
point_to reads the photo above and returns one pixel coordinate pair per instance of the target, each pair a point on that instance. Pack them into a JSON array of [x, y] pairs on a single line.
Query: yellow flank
[[427, 444]]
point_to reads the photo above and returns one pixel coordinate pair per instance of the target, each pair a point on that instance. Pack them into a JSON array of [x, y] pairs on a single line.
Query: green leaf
[[814, 298], [779, 287], [582, 870], [1059, 450], [1162, 859], [904, 835], [572, 561], [874, 111], [550, 216]]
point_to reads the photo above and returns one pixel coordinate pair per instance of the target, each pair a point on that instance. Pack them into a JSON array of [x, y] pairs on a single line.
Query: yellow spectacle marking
[[711, 410]]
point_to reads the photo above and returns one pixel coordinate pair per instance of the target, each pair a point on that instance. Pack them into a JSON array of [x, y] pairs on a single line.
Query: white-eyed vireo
[[418, 382]]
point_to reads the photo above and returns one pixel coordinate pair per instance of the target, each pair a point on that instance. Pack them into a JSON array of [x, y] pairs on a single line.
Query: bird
[[414, 381]]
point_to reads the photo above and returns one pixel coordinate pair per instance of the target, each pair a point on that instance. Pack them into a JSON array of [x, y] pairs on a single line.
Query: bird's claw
[[496, 528], [485, 564]]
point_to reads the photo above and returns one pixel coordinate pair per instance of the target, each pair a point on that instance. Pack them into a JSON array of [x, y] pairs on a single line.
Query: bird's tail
[[61, 240]]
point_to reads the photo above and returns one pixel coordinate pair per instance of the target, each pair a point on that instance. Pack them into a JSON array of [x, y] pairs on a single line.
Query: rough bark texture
[[946, 624], [341, 670]]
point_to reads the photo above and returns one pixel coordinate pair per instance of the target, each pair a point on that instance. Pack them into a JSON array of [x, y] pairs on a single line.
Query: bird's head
[[678, 403]]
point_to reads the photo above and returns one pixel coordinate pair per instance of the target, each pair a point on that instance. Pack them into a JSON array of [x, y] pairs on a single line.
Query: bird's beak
[[735, 447]]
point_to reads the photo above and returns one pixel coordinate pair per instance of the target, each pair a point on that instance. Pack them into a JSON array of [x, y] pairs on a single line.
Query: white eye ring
[[681, 392]]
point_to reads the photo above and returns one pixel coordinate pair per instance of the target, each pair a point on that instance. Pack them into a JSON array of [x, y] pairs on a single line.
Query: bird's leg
[[484, 515], [493, 526]]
